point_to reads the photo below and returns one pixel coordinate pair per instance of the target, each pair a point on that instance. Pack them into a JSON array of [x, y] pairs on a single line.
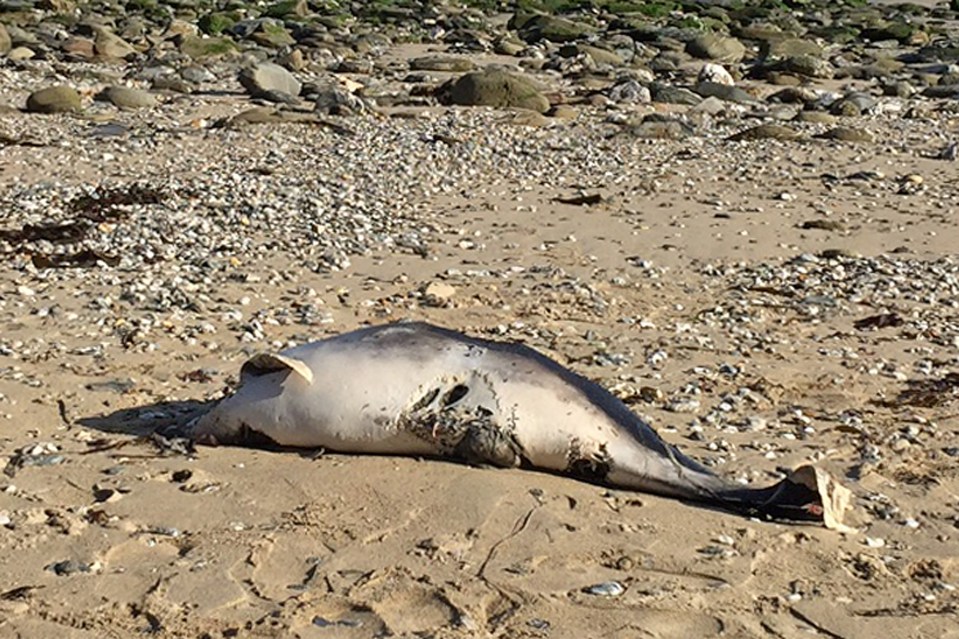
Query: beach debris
[[883, 320], [34, 455], [323, 622], [583, 199], [69, 567]]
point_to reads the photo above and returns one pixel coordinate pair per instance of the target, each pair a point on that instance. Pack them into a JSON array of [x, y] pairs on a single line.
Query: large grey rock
[[497, 88], [56, 99], [268, 78], [127, 98]]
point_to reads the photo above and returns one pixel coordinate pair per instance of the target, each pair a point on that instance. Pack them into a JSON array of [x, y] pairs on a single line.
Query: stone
[[899, 89], [199, 47], [660, 129], [358, 66], [197, 74], [789, 47], [79, 48], [438, 293], [180, 29], [554, 29], [847, 134], [601, 56], [496, 88], [765, 132], [288, 9], [807, 65], [783, 79], [21, 53], [6, 44], [267, 77], [217, 22], [710, 46], [505, 46], [525, 117], [948, 91], [710, 106], [111, 46], [332, 99], [446, 63], [943, 51], [836, 33], [127, 98], [668, 61], [563, 112], [902, 32], [294, 60], [171, 83], [724, 92], [58, 6], [55, 99], [272, 34], [257, 115], [715, 73], [853, 105], [815, 117], [630, 92], [669, 94]]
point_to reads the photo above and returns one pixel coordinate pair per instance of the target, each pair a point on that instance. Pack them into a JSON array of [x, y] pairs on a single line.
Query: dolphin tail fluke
[[806, 494]]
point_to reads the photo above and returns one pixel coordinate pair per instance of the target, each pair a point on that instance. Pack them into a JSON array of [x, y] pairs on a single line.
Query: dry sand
[[235, 542]]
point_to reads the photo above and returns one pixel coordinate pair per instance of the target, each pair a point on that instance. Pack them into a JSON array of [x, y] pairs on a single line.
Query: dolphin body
[[418, 389]]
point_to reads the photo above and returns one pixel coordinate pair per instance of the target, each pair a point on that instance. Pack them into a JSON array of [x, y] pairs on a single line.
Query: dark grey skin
[[417, 389]]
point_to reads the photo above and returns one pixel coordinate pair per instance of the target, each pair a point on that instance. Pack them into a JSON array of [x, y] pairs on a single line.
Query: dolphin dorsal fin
[[263, 363]]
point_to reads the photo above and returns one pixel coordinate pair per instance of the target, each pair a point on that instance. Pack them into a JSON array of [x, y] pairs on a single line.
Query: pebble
[[438, 293], [606, 589], [72, 567]]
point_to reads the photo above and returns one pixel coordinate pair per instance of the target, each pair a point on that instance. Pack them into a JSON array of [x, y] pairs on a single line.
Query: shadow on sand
[[169, 418]]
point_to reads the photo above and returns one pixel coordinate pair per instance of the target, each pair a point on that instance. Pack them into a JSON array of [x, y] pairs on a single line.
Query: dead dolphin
[[417, 389]]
